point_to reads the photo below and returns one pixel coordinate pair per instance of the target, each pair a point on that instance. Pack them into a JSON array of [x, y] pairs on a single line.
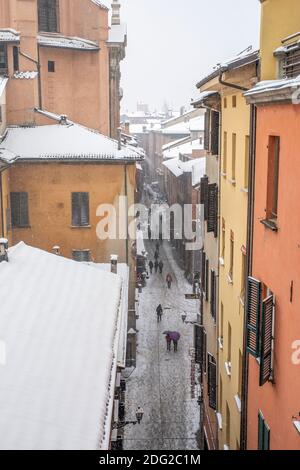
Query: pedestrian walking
[[157, 246], [156, 254], [156, 264], [175, 343], [151, 266], [169, 341], [175, 336], [169, 280], [159, 312], [161, 266]]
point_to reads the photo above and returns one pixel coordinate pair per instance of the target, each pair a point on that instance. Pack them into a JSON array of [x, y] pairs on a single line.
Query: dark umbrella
[[174, 335], [167, 332]]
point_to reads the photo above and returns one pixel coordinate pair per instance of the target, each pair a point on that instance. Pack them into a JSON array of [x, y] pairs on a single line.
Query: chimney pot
[[119, 138], [114, 264], [3, 249], [63, 119], [56, 250]]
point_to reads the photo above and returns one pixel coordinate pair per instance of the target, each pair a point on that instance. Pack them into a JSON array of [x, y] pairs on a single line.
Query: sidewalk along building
[[50, 56], [272, 410], [206, 337], [231, 79], [64, 332], [59, 182]]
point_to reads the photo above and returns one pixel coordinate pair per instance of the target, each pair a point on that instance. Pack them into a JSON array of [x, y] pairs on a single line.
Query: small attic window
[[51, 66]]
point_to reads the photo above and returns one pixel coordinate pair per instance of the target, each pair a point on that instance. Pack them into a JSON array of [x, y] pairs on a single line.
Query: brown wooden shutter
[[215, 120], [207, 280], [207, 130], [80, 209], [24, 216], [19, 209], [198, 343], [212, 383], [203, 266], [204, 350], [253, 308], [75, 209], [84, 209], [266, 352]]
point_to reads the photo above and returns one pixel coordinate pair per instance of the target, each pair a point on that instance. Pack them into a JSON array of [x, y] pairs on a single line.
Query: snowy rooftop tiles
[[62, 142], [284, 89], [195, 166], [66, 42], [60, 322]]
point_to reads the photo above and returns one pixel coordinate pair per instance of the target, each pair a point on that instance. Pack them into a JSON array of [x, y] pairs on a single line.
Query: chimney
[[115, 20], [3, 249], [63, 120], [114, 264], [56, 250], [119, 138]]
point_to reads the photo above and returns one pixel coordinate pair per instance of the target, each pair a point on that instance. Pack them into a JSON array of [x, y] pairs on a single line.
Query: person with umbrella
[[169, 280], [175, 336]]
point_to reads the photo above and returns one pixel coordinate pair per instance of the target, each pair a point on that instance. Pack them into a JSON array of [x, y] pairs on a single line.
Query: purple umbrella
[[174, 335]]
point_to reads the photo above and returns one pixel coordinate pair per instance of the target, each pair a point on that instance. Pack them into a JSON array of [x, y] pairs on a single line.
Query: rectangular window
[[3, 59], [225, 103], [227, 425], [80, 209], [207, 280], [233, 158], [220, 393], [212, 382], [51, 66], [16, 58], [223, 239], [225, 152], [273, 177], [229, 339], [215, 128], [213, 295], [222, 323], [247, 156], [263, 433], [243, 276], [240, 374], [231, 255], [253, 313], [19, 209], [48, 16], [234, 101], [82, 255]]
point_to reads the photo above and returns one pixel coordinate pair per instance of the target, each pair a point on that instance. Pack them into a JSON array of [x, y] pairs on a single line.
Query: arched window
[[48, 15]]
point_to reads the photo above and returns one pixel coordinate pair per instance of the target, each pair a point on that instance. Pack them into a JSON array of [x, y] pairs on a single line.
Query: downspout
[[251, 189], [37, 63], [2, 208]]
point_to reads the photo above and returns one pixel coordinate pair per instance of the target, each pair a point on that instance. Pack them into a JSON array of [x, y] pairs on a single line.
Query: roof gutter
[[231, 85]]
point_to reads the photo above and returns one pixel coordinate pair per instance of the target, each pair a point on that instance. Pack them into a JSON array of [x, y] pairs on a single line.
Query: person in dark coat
[[159, 312], [169, 280], [161, 266], [151, 266], [156, 264], [156, 255], [168, 339], [157, 246]]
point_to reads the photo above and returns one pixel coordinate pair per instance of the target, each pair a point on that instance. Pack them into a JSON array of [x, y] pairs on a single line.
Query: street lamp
[[139, 416]]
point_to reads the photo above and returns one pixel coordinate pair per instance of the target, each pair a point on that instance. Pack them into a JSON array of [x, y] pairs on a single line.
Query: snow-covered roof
[[9, 35], [102, 4], [177, 167], [60, 329], [66, 42], [143, 128], [3, 83], [181, 128], [176, 143], [197, 124], [185, 148], [29, 75], [274, 85], [117, 34], [62, 142]]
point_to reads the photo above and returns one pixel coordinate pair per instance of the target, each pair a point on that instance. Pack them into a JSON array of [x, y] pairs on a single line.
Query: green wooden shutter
[[266, 443], [260, 431], [212, 383], [266, 340], [212, 208], [253, 307], [215, 120], [207, 129]]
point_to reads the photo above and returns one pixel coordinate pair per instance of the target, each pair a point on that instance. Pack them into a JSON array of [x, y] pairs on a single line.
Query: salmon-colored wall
[[276, 262], [49, 186]]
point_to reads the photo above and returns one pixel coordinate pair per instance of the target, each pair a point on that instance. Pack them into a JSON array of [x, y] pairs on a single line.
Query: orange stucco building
[[273, 301]]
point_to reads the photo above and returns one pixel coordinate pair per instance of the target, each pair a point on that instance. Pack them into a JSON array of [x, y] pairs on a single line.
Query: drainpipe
[[37, 63], [251, 189], [2, 208]]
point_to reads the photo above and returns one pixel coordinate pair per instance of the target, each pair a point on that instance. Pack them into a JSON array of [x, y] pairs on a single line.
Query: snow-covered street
[[161, 383]]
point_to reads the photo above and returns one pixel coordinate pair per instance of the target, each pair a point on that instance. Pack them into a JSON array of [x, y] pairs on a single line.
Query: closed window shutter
[[215, 120], [84, 209], [266, 437], [203, 265], [212, 208], [207, 280], [19, 209], [207, 129], [203, 189], [204, 349], [198, 343], [47, 15], [253, 315], [212, 383], [213, 294], [75, 209], [266, 351], [263, 433], [80, 209]]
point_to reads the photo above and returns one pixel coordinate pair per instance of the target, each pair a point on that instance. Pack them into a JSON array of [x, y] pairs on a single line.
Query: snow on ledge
[[66, 42]]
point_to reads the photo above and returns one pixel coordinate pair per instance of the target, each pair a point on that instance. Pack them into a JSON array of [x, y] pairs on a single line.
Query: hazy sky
[[173, 43]]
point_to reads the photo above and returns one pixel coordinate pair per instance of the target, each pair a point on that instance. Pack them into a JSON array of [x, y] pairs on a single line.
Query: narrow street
[[161, 383]]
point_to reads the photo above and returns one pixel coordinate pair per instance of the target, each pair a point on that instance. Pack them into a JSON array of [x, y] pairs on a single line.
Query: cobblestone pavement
[[161, 382]]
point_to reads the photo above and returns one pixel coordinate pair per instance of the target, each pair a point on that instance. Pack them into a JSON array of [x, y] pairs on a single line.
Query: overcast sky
[[173, 43]]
